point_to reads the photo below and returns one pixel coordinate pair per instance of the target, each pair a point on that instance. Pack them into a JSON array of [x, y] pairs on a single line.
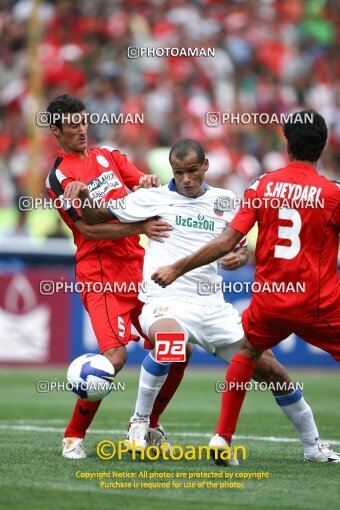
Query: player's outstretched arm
[[214, 250], [92, 212], [153, 228]]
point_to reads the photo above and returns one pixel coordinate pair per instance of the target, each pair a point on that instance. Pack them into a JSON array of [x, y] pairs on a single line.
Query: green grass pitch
[[34, 476]]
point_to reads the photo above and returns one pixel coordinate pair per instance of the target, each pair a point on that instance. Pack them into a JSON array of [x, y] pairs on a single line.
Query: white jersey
[[195, 221]]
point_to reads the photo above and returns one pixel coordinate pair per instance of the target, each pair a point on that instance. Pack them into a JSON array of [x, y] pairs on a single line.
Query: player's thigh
[[220, 329], [166, 325], [264, 332], [155, 315], [226, 352], [323, 333], [110, 319]]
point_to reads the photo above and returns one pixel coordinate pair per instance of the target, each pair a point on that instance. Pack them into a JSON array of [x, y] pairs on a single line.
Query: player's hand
[[148, 181], [156, 229], [231, 262], [75, 190], [165, 275]]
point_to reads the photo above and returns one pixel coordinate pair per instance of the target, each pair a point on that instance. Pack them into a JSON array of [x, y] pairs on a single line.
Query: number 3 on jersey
[[291, 233]]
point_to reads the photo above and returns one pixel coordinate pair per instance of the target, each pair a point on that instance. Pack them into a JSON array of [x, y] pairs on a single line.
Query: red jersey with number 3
[[298, 216]]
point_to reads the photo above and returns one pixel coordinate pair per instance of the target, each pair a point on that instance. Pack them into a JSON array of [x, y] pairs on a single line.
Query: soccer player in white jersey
[[194, 210]]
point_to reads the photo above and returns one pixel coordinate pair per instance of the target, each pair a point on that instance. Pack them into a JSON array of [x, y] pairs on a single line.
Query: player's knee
[[246, 349], [163, 326], [272, 372], [117, 356]]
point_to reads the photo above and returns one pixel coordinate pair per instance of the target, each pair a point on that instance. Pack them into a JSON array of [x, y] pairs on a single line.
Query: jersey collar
[[73, 156], [299, 164], [172, 186]]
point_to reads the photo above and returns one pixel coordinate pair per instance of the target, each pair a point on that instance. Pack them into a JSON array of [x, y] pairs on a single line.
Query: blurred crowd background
[[270, 56]]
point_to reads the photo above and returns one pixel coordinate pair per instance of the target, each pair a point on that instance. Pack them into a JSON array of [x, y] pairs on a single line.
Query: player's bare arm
[[153, 228], [212, 251], [92, 212]]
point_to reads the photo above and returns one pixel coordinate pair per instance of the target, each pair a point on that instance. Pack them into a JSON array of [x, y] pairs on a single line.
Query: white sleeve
[[138, 206]]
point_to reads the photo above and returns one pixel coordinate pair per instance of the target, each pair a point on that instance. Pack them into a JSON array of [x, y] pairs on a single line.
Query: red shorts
[[112, 313], [264, 331]]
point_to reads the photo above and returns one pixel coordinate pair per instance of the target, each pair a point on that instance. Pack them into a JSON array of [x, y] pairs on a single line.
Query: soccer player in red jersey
[[108, 252], [298, 216]]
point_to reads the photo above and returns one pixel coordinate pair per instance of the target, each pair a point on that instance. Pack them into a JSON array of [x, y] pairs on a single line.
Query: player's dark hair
[[64, 104], [182, 148], [306, 140]]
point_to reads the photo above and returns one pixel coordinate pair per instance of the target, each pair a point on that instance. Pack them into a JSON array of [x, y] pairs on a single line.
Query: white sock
[[151, 379], [300, 414]]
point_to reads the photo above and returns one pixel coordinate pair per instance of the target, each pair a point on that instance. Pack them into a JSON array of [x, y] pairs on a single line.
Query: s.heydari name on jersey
[[201, 224], [99, 186], [292, 191]]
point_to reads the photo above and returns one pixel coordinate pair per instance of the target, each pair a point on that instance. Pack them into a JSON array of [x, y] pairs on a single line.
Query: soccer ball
[[91, 376]]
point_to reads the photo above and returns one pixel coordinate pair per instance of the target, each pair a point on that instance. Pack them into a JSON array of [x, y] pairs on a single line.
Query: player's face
[[189, 175], [72, 136]]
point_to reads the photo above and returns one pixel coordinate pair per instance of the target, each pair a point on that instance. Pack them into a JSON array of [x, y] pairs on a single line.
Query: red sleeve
[[56, 182], [335, 198], [128, 171], [246, 216], [65, 216], [335, 218]]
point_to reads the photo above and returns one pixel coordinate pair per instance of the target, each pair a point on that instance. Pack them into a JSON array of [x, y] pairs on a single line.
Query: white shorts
[[216, 328]]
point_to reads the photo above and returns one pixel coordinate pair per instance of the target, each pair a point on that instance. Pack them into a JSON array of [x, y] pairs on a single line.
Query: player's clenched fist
[[75, 189], [165, 275]]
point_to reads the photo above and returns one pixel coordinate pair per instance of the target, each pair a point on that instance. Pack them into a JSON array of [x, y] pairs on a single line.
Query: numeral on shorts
[[291, 233], [121, 326]]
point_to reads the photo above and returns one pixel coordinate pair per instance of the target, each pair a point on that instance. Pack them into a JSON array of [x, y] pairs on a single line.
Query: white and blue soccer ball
[[91, 376]]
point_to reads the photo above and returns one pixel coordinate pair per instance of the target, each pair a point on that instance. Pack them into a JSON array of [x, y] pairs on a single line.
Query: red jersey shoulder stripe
[[54, 183]]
